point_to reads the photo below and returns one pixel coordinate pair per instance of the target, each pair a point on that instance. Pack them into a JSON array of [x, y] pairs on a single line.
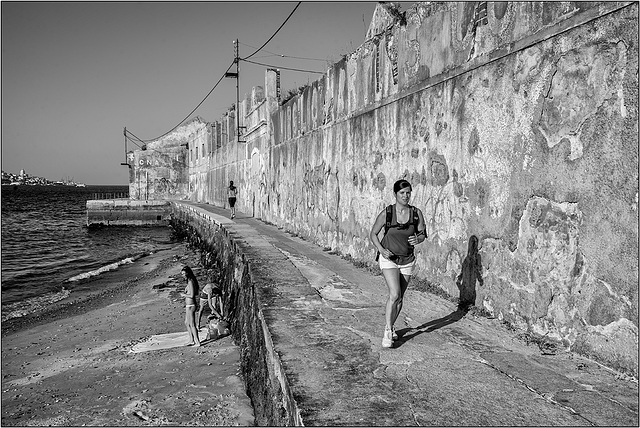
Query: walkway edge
[[265, 378]]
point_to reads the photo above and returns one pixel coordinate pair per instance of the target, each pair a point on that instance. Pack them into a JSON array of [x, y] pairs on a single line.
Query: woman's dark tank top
[[396, 239]]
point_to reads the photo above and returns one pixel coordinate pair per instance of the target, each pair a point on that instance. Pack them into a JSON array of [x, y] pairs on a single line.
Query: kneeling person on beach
[[210, 295]]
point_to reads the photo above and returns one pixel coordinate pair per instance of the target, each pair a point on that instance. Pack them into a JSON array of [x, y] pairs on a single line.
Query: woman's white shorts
[[388, 264]]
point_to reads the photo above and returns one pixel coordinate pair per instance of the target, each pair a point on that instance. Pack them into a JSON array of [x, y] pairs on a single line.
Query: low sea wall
[[127, 212], [246, 290]]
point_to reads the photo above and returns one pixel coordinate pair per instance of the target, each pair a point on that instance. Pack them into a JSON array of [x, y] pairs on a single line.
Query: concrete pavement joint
[[520, 381], [590, 388]]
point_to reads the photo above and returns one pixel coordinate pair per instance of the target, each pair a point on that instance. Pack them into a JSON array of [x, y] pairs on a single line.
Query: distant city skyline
[[75, 74]]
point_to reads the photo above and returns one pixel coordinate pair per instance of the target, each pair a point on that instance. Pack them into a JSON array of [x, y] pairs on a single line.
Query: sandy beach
[[76, 363]]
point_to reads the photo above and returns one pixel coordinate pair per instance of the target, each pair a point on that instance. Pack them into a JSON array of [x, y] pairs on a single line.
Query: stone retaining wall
[[246, 290]]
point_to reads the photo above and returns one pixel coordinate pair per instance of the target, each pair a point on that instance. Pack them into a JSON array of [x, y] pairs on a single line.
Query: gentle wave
[[32, 304], [103, 269]]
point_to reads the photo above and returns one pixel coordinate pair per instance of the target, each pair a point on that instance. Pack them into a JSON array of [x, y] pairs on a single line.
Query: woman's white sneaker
[[387, 339]]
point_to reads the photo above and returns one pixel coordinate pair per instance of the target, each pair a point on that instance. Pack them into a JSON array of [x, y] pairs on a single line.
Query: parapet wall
[[127, 212], [246, 292]]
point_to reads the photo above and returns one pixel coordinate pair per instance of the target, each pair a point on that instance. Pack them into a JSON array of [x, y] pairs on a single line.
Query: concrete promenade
[[448, 368]]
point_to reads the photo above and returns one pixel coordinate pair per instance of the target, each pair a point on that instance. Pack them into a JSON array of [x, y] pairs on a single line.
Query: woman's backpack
[[389, 217]]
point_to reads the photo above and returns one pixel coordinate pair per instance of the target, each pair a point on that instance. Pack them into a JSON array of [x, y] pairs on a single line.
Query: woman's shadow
[[470, 274]]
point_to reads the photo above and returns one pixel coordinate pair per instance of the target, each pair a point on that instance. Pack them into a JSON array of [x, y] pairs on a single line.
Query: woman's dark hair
[[191, 276], [188, 271], [231, 183], [401, 184]]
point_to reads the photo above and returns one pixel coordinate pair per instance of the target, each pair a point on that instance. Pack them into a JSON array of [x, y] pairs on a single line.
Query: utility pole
[[126, 161], [236, 75]]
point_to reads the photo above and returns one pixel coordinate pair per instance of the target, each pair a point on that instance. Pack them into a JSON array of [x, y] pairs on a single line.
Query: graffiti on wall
[[320, 186], [164, 186]]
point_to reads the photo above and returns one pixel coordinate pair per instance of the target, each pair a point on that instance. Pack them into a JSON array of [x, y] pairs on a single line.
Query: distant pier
[[114, 211]]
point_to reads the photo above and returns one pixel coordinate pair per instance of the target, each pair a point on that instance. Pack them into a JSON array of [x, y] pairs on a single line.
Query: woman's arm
[[213, 307], [421, 233], [373, 234]]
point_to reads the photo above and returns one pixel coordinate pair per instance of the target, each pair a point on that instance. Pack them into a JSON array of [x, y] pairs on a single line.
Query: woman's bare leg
[[392, 277], [186, 323], [190, 321], [404, 283]]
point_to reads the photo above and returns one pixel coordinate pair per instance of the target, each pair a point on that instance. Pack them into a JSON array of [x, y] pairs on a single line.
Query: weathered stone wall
[[161, 171], [243, 163], [517, 123]]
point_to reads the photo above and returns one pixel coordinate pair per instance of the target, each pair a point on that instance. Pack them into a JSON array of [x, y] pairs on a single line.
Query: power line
[[235, 61], [144, 146], [284, 56], [134, 136], [192, 111], [282, 68], [274, 34]]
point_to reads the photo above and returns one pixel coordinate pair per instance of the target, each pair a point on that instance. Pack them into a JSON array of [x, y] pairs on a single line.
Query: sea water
[[48, 251]]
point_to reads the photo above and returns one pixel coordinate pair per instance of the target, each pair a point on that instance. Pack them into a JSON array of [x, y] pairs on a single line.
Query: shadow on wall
[[471, 272]]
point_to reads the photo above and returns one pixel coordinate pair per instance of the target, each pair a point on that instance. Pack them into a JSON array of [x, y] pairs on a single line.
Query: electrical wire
[[282, 68], [143, 147], [274, 34], [223, 75], [192, 111], [282, 55], [134, 136]]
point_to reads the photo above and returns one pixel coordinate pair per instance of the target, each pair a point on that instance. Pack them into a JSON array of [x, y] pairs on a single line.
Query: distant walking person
[[232, 192], [191, 302], [210, 295], [470, 273], [404, 228]]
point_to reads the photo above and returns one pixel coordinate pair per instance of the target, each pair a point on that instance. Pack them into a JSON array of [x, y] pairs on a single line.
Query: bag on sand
[[217, 329]]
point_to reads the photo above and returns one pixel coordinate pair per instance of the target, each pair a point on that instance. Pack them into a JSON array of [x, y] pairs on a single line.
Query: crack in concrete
[[413, 414], [523, 383]]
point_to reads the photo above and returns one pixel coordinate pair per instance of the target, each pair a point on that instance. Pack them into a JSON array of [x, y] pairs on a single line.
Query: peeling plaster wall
[[515, 122], [243, 163], [161, 171]]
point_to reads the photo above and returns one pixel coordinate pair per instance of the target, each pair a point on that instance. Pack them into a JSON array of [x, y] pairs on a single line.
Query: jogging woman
[[232, 192], [404, 229]]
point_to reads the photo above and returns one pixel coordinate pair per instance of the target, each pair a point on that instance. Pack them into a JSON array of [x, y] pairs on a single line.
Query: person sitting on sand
[[211, 295], [191, 301]]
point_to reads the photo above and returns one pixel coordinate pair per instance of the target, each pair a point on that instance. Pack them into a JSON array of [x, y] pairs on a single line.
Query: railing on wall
[[110, 195]]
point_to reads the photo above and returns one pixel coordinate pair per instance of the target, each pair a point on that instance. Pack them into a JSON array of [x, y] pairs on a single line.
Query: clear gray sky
[[75, 74]]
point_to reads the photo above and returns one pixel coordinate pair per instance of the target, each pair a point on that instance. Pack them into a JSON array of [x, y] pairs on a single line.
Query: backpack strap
[[387, 224], [416, 219]]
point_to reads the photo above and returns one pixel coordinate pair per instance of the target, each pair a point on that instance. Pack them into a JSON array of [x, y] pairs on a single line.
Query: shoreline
[[71, 365], [104, 290]]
